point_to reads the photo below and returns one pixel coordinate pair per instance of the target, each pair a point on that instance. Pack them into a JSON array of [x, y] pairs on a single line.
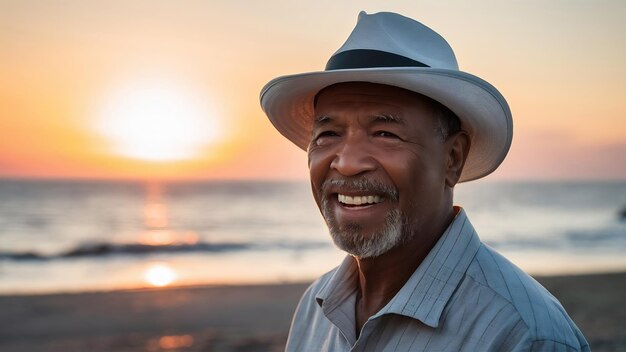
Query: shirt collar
[[428, 290], [340, 286]]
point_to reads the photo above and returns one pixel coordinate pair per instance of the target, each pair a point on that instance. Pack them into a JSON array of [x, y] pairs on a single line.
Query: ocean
[[67, 236]]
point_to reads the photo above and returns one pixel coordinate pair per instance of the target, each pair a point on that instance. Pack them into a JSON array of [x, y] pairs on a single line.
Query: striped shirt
[[463, 297]]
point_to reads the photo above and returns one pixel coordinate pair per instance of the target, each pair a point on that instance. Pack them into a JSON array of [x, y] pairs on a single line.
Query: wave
[[611, 238], [112, 249]]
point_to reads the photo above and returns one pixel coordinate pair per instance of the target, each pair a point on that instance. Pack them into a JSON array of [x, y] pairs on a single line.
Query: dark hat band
[[366, 58]]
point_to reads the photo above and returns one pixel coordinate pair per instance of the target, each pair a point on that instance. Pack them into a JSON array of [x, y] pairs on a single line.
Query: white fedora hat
[[391, 49]]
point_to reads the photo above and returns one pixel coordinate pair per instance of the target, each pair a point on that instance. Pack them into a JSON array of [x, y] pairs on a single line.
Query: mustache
[[360, 184]]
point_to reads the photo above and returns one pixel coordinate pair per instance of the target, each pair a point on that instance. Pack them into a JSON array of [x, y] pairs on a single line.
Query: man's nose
[[353, 159]]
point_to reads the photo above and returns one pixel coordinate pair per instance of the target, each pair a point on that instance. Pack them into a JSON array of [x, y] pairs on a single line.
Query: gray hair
[[448, 123]]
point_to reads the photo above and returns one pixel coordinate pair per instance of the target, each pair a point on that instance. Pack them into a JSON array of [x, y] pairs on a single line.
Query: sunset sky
[[87, 87]]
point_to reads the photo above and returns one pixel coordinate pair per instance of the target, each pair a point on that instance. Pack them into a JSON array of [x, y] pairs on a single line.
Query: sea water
[[59, 236]]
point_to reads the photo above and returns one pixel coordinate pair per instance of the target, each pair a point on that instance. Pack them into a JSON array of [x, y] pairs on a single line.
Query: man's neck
[[381, 278]]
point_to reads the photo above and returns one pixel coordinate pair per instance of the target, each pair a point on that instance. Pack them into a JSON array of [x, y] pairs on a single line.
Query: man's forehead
[[375, 117], [383, 99], [364, 91]]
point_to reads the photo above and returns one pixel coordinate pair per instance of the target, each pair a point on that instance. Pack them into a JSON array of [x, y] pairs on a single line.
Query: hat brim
[[483, 111]]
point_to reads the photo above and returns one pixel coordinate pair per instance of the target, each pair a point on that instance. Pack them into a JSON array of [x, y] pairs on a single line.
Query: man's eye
[[324, 137], [386, 134]]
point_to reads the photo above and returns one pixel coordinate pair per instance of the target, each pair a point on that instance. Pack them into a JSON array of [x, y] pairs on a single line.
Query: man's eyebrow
[[388, 118], [321, 120]]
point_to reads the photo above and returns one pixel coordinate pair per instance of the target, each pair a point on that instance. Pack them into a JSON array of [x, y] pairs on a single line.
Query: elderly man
[[391, 126]]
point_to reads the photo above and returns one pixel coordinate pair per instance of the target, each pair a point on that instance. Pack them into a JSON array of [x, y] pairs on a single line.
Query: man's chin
[[364, 252], [356, 246], [352, 238]]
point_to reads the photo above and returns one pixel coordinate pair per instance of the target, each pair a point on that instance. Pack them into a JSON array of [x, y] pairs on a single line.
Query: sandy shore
[[239, 318]]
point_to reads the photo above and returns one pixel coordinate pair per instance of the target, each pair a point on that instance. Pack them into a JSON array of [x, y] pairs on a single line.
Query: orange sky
[[560, 64]]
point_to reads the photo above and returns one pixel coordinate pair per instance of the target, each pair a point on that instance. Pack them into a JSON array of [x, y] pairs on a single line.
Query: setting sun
[[157, 121], [159, 275]]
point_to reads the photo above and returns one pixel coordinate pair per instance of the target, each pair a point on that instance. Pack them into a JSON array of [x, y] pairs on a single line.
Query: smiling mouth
[[358, 200]]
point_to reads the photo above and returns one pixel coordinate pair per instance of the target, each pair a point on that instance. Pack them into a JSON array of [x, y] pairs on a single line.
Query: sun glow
[[159, 275], [158, 121]]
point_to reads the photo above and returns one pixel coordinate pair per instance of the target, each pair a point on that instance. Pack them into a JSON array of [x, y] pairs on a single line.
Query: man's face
[[377, 165]]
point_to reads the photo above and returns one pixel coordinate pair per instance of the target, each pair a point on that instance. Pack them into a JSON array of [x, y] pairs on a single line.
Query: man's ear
[[457, 148]]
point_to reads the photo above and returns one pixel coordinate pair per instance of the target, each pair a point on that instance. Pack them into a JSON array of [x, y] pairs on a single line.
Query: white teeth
[[358, 200]]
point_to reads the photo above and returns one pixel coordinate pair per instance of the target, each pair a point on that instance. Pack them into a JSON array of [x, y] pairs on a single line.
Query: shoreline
[[240, 317]]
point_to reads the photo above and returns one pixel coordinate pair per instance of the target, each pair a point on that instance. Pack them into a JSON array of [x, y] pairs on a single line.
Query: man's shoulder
[[538, 309], [307, 313]]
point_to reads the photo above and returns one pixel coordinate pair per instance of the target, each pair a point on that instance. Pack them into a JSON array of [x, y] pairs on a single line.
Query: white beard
[[350, 239]]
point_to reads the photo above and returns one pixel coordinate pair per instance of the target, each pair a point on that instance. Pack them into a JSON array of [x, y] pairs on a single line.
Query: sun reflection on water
[[159, 275], [167, 238], [170, 342], [156, 221], [156, 215]]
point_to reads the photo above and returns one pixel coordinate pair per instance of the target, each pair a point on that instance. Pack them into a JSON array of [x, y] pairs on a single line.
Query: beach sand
[[239, 318]]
